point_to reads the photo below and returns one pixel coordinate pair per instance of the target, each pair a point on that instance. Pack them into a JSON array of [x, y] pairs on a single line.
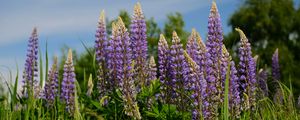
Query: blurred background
[[268, 24]]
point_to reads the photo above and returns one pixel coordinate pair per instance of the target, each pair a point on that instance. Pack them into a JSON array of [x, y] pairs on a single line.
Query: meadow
[[199, 80]]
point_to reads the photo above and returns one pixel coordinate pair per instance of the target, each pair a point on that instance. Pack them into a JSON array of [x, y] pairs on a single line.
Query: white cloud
[[56, 16]]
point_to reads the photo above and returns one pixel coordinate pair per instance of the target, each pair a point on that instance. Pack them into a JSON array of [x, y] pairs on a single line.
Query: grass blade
[[41, 69]]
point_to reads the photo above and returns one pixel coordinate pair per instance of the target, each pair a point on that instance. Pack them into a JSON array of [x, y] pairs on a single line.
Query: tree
[[175, 23], [270, 24], [153, 32]]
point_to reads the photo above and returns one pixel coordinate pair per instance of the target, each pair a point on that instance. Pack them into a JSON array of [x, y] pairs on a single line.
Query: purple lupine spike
[[202, 55], [51, 86], [124, 71], [214, 52], [247, 75], [235, 99], [224, 68], [101, 44], [151, 70], [124, 58], [138, 35], [101, 39], [31, 67], [197, 86], [90, 86], [163, 53], [262, 78], [178, 72], [234, 94], [275, 66], [114, 56], [139, 44], [278, 97], [68, 85], [192, 47]]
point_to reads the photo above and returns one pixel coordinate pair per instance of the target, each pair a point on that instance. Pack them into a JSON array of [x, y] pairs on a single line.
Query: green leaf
[[14, 96], [150, 114], [41, 69], [47, 63]]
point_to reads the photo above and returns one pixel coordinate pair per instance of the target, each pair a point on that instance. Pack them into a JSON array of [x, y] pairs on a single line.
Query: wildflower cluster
[[192, 79]]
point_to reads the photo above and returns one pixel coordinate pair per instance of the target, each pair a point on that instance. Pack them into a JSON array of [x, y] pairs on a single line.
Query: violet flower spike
[[262, 78], [275, 66], [151, 76], [278, 97], [202, 54], [197, 86], [51, 86], [214, 53], [192, 47], [234, 94], [178, 72], [138, 45], [247, 75], [30, 74], [151, 70], [163, 66], [101, 44], [114, 56], [225, 61], [101, 39], [124, 69], [68, 85]]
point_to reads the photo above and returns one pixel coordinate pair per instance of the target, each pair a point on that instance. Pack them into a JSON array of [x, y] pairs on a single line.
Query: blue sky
[[66, 22]]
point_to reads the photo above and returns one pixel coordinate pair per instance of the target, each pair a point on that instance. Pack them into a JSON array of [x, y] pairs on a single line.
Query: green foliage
[[270, 24], [175, 23], [153, 32]]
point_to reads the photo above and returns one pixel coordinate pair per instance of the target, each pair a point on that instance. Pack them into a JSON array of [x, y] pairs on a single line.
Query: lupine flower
[[124, 54], [101, 44], [90, 86], [234, 94], [68, 85], [101, 39], [178, 72], [247, 73], [121, 57], [278, 97], [114, 56], [203, 64], [129, 96], [235, 99], [197, 50], [51, 86], [151, 76], [224, 68], [163, 53], [275, 66], [31, 67], [262, 78], [214, 52], [202, 54], [151, 70], [197, 86], [192, 47], [139, 44]]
